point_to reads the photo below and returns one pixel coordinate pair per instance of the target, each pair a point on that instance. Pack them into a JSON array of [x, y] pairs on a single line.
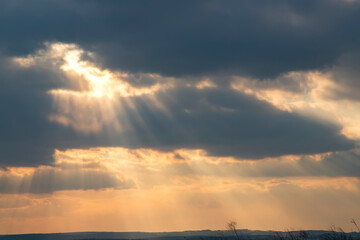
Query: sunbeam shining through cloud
[[98, 92]]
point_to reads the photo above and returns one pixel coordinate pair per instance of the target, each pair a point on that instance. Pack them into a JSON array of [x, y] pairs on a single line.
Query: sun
[[99, 81]]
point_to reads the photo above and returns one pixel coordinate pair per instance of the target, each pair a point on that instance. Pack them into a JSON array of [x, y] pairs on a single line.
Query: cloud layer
[[95, 107], [252, 38], [60, 177]]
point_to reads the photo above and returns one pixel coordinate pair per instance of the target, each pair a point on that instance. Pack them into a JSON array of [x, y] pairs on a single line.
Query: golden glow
[[312, 101], [97, 95], [205, 84], [207, 193], [120, 189], [102, 83]]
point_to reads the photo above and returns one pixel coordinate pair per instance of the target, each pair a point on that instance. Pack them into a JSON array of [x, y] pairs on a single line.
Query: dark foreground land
[[191, 235]]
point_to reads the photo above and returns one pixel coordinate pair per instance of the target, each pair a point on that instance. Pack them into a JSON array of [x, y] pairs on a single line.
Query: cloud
[[72, 113], [258, 39], [14, 201], [329, 95], [61, 176], [247, 198], [152, 168], [331, 165], [224, 122], [345, 75], [215, 40]]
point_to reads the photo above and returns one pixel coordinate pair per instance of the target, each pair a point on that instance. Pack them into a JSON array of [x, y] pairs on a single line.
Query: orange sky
[[240, 112], [159, 192]]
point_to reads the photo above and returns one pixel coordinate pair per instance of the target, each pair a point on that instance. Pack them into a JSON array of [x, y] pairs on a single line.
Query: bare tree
[[232, 227], [354, 222], [336, 233], [291, 235]]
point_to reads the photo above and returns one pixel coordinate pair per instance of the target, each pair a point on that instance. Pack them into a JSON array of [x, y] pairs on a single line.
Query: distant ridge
[[188, 235]]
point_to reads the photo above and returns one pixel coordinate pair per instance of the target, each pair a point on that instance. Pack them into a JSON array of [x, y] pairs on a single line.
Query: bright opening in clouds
[[178, 115], [97, 94]]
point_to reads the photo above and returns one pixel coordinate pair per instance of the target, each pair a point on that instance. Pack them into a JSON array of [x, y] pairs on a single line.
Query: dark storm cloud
[[257, 38], [26, 135], [346, 74], [338, 164], [219, 120], [49, 180], [226, 123]]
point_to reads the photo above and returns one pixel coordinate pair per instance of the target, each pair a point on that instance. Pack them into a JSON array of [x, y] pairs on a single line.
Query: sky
[[179, 115]]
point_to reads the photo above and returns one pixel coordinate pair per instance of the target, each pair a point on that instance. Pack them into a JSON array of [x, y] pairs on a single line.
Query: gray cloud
[[336, 164], [339, 164], [221, 121], [256, 38], [346, 74], [226, 123], [51, 179], [252, 38], [12, 202]]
